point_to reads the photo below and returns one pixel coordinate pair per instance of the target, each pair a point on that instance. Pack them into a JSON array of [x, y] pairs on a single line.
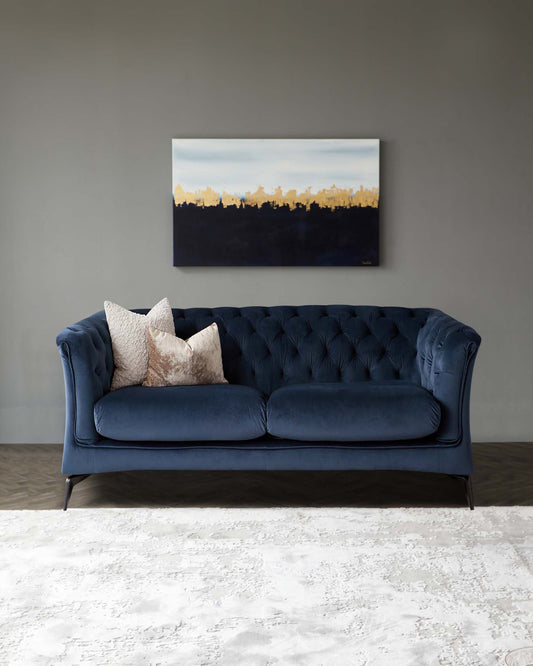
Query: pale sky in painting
[[240, 165]]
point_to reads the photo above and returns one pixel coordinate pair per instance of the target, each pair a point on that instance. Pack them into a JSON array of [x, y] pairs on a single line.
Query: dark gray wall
[[93, 92]]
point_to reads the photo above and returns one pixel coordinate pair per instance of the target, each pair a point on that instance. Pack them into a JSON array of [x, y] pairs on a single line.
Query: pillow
[[176, 362], [128, 340]]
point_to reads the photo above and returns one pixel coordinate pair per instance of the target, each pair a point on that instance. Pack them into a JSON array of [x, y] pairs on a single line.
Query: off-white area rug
[[346, 586]]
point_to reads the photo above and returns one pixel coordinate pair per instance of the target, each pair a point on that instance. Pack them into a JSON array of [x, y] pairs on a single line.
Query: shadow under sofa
[[310, 388]]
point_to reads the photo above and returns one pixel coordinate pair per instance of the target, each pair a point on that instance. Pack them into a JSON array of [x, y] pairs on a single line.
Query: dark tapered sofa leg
[[469, 492], [70, 482], [467, 481]]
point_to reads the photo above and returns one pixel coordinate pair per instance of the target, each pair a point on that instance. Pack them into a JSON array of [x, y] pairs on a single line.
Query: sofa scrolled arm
[[446, 350], [87, 358]]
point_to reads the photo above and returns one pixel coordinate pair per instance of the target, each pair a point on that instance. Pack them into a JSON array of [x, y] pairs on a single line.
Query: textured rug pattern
[[364, 587]]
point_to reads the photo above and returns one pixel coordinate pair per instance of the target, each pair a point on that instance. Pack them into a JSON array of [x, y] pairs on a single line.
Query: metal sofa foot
[[467, 481], [70, 482], [469, 492]]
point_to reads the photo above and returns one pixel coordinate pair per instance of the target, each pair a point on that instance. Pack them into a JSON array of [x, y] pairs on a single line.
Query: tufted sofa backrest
[[269, 347]]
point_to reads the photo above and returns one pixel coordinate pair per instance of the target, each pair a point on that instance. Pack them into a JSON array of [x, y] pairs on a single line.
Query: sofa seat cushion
[[352, 412], [181, 413]]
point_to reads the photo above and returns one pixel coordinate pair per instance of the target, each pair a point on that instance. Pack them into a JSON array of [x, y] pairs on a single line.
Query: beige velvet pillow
[[128, 340], [176, 362]]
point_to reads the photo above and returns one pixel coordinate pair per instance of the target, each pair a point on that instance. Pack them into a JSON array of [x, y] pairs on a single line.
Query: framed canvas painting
[[275, 202]]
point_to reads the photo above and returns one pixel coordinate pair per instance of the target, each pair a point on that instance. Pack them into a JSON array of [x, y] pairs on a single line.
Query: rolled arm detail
[[446, 350], [87, 358]]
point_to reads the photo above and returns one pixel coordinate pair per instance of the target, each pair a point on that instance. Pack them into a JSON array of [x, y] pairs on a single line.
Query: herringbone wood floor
[[30, 479]]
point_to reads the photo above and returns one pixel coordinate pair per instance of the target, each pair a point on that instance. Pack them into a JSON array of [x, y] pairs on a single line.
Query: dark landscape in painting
[[275, 235]]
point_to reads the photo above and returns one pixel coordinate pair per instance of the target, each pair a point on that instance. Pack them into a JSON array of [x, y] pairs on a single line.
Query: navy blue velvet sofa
[[332, 387]]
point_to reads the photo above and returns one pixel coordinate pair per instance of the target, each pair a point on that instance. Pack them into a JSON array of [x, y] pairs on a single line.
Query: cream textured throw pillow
[[128, 340], [176, 362]]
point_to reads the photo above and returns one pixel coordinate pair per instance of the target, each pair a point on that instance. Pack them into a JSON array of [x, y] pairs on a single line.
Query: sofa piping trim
[[297, 446]]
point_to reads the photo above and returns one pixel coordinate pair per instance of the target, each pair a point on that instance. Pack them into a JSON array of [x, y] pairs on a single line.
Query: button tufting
[[331, 342]]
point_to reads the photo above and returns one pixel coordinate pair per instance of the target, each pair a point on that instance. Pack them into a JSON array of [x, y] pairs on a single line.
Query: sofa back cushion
[[270, 347]]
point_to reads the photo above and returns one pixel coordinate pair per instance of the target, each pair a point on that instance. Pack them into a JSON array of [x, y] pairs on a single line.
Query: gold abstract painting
[[275, 202]]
